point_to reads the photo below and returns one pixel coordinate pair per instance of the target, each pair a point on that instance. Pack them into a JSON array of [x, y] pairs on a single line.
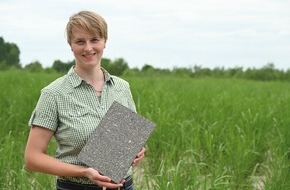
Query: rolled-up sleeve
[[45, 113]]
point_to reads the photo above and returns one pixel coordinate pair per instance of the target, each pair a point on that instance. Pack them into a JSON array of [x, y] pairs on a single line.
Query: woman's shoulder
[[57, 86]]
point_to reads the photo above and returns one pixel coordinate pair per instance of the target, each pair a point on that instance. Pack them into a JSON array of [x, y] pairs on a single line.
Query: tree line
[[9, 58], [9, 55]]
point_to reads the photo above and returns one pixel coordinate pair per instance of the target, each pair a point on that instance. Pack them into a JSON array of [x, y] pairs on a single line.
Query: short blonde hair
[[88, 21]]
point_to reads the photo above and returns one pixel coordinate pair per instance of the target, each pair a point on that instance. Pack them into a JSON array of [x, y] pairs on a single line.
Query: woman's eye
[[79, 42], [95, 40]]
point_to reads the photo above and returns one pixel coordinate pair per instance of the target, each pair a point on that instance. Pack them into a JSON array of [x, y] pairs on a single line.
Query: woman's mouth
[[90, 55]]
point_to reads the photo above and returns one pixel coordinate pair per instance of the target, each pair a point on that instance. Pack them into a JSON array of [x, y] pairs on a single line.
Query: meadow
[[218, 134]]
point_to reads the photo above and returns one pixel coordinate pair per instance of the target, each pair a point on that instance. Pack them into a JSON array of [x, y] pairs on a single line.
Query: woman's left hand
[[139, 157]]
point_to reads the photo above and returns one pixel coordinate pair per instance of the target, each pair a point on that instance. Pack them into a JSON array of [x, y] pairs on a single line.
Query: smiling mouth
[[89, 55]]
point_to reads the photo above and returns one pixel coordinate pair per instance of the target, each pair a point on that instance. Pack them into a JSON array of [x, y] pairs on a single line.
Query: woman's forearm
[[41, 162]]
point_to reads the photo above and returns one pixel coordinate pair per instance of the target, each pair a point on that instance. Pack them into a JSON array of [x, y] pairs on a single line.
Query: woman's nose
[[88, 46]]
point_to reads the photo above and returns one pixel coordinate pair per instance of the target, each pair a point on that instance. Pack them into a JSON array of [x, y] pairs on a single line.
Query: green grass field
[[225, 134]]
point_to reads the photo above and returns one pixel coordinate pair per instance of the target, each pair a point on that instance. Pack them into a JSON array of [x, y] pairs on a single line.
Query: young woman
[[71, 107]]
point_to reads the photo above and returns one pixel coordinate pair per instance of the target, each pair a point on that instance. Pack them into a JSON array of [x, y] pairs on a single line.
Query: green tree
[[106, 63], [9, 55], [147, 67], [62, 67], [198, 71], [34, 67], [118, 66], [234, 72], [182, 72]]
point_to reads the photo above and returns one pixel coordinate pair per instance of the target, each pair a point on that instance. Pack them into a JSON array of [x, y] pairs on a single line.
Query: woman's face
[[87, 48]]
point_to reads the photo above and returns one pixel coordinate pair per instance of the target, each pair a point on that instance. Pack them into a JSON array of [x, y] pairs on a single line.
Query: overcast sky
[[162, 33]]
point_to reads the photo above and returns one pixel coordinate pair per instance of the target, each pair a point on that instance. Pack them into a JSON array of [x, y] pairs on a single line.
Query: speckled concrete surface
[[117, 140]]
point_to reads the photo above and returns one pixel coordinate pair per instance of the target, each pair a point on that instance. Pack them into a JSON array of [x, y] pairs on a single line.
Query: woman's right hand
[[100, 180]]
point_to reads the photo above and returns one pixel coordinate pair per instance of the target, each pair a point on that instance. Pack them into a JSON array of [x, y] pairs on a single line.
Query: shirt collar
[[107, 76], [76, 80]]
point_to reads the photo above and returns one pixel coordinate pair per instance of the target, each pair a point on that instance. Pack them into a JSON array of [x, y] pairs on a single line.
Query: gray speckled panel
[[113, 146]]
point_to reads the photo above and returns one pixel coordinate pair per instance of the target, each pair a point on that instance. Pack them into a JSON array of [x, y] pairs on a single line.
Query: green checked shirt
[[71, 108]]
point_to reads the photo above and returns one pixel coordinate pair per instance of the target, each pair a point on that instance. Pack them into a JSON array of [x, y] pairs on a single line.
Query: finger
[[140, 158], [109, 185], [137, 160], [102, 178], [141, 152]]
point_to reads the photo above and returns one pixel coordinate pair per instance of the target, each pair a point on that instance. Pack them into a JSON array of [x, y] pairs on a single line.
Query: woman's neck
[[91, 74]]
